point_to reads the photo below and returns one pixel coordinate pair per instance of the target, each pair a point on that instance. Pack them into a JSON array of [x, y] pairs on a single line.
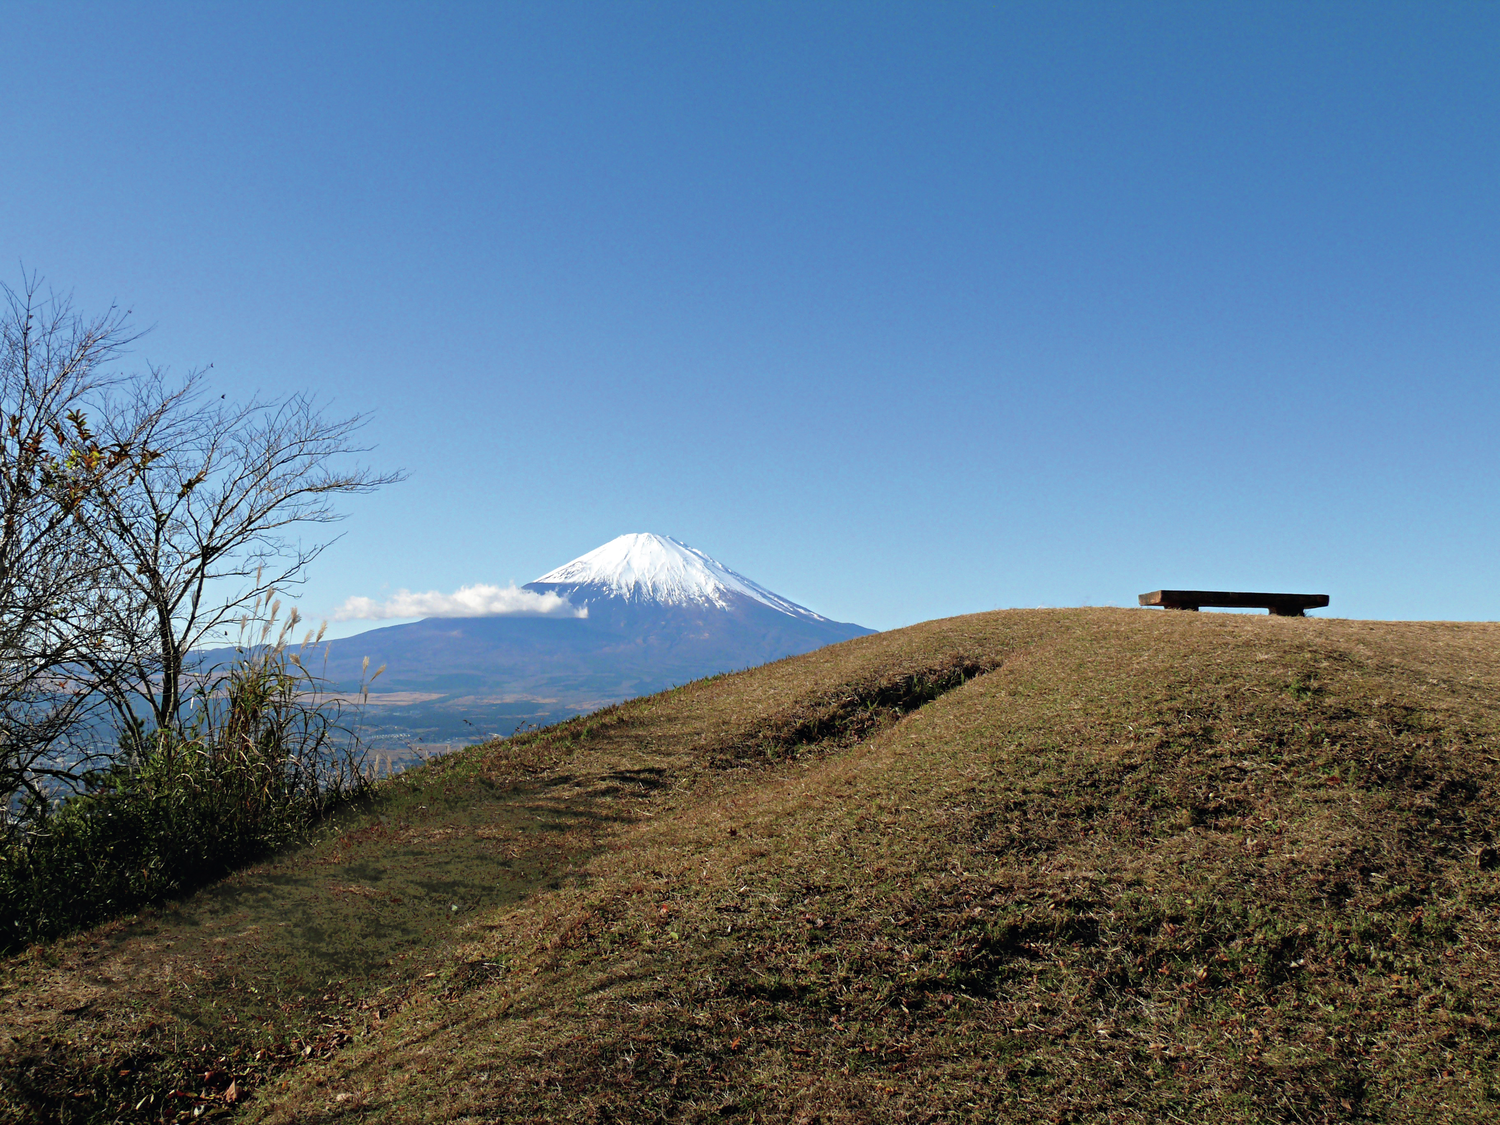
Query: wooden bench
[[1280, 605]]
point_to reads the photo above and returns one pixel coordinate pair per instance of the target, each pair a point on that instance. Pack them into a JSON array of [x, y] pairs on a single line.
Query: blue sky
[[901, 310]]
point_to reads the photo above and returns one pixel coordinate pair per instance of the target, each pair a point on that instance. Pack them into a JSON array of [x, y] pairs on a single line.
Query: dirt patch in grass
[[853, 713]]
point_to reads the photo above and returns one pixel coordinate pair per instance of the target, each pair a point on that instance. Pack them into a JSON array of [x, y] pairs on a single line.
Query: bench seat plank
[[1281, 605]]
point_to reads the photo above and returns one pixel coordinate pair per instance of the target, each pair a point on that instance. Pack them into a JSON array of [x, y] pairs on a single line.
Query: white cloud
[[469, 601]]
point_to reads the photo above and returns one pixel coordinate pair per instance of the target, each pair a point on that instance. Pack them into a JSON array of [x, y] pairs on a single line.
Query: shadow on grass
[[196, 1004]]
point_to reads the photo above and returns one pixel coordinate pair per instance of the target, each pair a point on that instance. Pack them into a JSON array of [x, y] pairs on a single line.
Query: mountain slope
[[1087, 865]]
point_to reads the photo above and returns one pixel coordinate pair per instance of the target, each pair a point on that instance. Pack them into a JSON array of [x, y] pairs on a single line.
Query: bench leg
[[1286, 611]]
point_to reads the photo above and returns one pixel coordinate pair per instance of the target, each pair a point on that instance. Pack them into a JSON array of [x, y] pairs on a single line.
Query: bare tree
[[139, 521], [212, 525], [55, 588]]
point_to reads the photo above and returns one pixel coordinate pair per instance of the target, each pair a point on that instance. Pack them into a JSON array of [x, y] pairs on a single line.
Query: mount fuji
[[660, 575], [649, 612]]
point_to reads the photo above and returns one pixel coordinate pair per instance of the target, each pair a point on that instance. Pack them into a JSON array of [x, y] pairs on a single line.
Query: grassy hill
[[1082, 865]]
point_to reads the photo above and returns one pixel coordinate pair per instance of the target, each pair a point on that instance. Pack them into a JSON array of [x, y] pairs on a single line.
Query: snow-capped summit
[[645, 568]]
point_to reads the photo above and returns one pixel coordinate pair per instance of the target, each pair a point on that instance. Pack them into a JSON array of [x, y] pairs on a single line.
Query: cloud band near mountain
[[468, 601]]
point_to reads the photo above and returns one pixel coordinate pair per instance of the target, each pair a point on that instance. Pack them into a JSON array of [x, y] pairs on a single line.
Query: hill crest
[[1086, 865]]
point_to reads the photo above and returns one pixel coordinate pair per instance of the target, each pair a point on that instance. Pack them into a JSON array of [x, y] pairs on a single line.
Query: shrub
[[263, 756]]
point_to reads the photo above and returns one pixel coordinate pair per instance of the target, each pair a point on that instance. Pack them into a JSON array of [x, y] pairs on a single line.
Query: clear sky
[[900, 310]]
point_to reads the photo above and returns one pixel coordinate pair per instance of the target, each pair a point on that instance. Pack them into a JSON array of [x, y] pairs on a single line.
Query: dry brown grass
[[1216, 867]]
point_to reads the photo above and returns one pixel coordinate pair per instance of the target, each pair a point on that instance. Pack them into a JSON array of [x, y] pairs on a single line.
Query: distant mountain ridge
[[658, 613]]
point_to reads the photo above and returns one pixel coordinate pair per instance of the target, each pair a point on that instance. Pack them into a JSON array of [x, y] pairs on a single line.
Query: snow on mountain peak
[[645, 567]]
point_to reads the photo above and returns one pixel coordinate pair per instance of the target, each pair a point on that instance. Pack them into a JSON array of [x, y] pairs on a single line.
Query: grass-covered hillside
[[1086, 865]]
